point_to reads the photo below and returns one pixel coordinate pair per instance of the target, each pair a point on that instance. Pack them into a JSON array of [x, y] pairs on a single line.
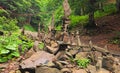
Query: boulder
[[37, 59], [81, 55], [79, 71], [66, 70], [109, 64], [103, 71], [47, 70], [91, 69]]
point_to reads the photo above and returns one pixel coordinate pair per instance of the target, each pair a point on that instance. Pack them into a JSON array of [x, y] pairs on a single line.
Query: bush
[[9, 46], [29, 27], [9, 25], [83, 63], [83, 20], [75, 20]]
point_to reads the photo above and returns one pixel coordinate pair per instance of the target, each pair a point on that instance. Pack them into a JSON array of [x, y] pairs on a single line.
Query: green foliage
[[115, 39], [9, 46], [41, 45], [29, 27], [82, 20], [3, 12], [108, 9], [8, 24], [76, 20], [83, 63], [26, 43], [58, 28]]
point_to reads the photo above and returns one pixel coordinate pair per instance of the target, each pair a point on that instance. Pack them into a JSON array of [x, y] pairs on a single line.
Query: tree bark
[[82, 11], [91, 14], [91, 19], [101, 6]]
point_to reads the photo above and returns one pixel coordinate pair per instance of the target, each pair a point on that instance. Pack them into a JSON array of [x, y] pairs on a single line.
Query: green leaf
[[16, 54], [12, 47], [3, 59], [41, 45], [4, 51]]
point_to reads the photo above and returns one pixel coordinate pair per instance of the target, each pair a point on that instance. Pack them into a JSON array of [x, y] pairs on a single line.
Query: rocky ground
[[60, 56]]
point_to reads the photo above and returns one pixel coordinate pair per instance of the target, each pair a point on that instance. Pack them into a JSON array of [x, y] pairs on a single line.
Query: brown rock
[[91, 68], [47, 70], [37, 59], [81, 55], [66, 70], [51, 49], [110, 63], [79, 71], [73, 52], [29, 53], [86, 49], [103, 71]]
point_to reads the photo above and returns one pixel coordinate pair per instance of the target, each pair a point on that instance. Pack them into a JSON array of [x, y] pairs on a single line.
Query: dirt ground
[[108, 26]]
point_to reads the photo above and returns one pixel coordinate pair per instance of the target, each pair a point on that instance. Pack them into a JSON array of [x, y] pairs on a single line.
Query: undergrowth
[[82, 20], [29, 28], [9, 46]]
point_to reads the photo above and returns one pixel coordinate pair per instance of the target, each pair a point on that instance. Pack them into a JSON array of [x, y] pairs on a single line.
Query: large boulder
[[111, 63], [37, 59]]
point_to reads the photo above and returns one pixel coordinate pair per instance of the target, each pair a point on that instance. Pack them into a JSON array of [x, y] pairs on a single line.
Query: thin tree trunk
[[91, 19], [82, 11], [29, 19], [101, 6]]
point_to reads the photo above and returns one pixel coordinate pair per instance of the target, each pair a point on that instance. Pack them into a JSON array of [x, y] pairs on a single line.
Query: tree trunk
[[118, 5], [29, 19], [82, 11], [91, 19], [101, 6], [91, 14]]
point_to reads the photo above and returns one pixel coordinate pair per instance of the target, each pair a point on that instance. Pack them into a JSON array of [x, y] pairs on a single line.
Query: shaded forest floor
[[108, 28]]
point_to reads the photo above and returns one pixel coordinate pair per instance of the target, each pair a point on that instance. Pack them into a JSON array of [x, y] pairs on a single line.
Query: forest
[[59, 36]]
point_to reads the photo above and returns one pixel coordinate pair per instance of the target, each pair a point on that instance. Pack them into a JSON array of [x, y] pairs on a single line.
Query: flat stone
[[37, 59]]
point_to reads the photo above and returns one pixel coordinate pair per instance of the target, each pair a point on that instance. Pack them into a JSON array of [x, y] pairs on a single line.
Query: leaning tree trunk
[[118, 5]]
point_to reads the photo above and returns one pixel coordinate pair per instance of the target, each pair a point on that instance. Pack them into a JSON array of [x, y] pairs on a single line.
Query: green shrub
[[75, 20], [115, 39], [83, 63], [9, 25], [58, 28], [9, 46], [82, 20], [41, 45], [29, 27]]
